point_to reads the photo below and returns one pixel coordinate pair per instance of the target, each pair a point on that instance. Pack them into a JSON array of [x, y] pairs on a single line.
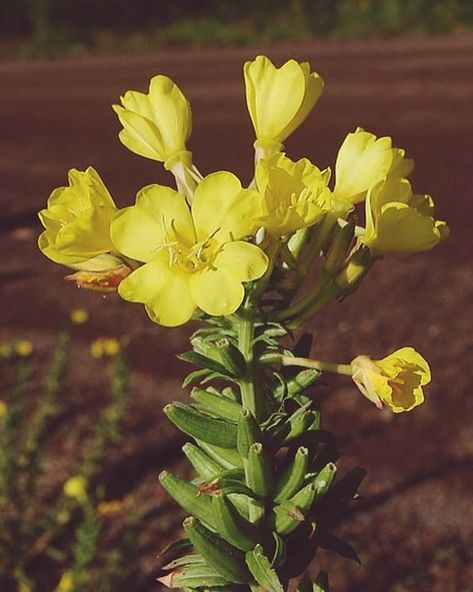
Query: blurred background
[[33, 28], [82, 434]]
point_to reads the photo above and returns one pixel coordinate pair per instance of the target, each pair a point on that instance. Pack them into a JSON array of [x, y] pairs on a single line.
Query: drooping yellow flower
[[295, 194], [397, 220], [77, 222], [395, 381], [363, 160], [156, 125], [279, 99], [192, 257]]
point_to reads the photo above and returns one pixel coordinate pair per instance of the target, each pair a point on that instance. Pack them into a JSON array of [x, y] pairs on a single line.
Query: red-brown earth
[[413, 529]]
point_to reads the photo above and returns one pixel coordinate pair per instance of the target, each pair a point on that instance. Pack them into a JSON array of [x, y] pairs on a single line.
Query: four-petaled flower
[[279, 99], [397, 220], [77, 221], [192, 257], [362, 161], [295, 194], [395, 381], [156, 125]]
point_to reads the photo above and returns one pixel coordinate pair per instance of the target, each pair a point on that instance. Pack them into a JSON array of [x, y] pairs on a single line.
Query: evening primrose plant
[[251, 263]]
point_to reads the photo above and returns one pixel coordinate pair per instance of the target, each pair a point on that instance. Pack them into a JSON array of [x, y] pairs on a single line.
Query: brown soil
[[413, 528]]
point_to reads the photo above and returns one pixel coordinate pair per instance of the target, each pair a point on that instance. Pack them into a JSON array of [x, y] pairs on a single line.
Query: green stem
[[317, 365], [245, 326]]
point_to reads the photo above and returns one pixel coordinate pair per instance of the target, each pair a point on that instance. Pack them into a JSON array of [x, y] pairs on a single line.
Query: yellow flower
[[279, 99], [295, 194], [79, 316], [76, 488], [363, 160], [66, 583], [104, 346], [192, 258], [395, 381], [3, 409], [77, 222], [397, 220], [156, 125], [23, 348]]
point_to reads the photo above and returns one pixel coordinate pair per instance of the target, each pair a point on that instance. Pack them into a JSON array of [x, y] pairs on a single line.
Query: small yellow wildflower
[[76, 488], [77, 222], [79, 316], [156, 125], [278, 99], [362, 161], [397, 220], [66, 583], [295, 194], [104, 346], [395, 381], [3, 409], [23, 348], [192, 257]]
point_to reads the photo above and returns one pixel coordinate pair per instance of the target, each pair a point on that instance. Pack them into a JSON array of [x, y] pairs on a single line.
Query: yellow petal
[[163, 289], [158, 124], [159, 216], [140, 135], [314, 88], [274, 96], [222, 208], [361, 161], [218, 290]]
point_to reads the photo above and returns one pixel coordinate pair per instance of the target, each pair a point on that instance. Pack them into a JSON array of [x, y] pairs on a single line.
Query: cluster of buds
[[255, 261]]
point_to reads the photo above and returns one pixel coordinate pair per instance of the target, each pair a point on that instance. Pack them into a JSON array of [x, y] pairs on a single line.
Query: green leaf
[[261, 569]]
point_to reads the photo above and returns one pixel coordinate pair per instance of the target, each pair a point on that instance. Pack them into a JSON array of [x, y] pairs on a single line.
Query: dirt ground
[[413, 529]]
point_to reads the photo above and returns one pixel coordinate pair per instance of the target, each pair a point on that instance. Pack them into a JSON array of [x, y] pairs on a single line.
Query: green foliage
[[54, 27], [258, 516], [60, 529]]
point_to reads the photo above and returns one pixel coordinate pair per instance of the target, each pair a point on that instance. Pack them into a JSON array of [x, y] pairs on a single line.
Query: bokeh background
[[402, 68]]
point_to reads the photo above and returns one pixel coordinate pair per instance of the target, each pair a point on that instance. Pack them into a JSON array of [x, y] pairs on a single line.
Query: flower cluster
[[194, 252]]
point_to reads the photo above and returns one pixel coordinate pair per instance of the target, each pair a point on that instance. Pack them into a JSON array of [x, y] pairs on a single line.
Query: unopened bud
[[104, 281]]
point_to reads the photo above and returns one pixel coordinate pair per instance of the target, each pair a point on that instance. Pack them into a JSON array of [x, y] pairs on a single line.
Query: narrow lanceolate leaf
[[249, 432], [302, 381], [258, 471], [293, 477], [216, 405], [289, 514], [232, 526], [279, 556], [174, 550], [204, 466], [222, 352], [193, 576], [184, 560], [299, 424], [324, 479], [203, 362], [188, 496], [226, 559], [261, 569], [227, 457], [202, 427]]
